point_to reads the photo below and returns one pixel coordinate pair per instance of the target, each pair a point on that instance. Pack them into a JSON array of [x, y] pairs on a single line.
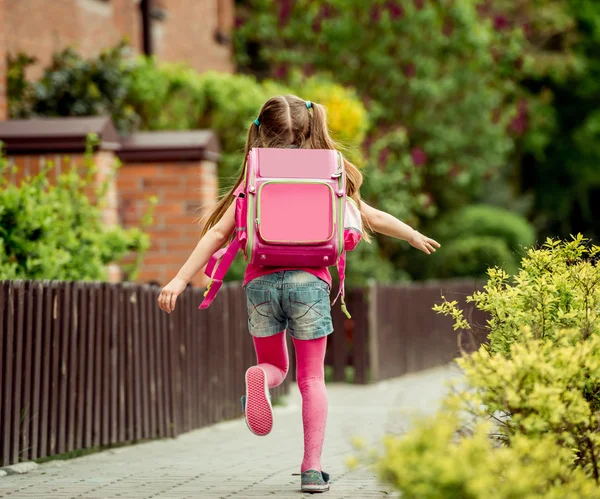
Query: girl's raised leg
[[272, 356], [273, 362]]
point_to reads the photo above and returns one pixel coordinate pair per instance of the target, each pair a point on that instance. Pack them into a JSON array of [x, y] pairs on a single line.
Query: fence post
[[373, 339]]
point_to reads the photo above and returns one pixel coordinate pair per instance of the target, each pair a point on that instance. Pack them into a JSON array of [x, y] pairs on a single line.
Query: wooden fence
[[94, 364], [394, 331], [91, 364]]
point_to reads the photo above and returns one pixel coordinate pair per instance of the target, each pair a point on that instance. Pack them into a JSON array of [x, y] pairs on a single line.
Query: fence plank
[[114, 363], [92, 367], [159, 334], [130, 406], [203, 331], [151, 339], [106, 365], [143, 355], [64, 325], [27, 372], [8, 372], [175, 376], [19, 308], [122, 349], [83, 298], [72, 371], [99, 376], [48, 300], [190, 320], [57, 301], [37, 310], [170, 397], [135, 301]]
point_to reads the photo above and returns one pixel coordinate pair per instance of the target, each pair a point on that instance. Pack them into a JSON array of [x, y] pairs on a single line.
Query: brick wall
[[185, 190], [41, 28]]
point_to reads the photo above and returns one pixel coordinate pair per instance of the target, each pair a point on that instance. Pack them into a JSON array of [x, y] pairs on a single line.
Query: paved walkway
[[227, 461]]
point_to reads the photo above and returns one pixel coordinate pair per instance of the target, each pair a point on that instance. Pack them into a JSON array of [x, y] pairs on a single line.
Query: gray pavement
[[226, 460]]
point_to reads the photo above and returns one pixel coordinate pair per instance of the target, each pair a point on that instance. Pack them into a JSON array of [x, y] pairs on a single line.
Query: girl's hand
[[423, 243], [168, 295]]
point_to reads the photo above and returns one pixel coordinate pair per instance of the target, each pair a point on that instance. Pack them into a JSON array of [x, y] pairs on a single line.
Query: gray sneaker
[[315, 481]]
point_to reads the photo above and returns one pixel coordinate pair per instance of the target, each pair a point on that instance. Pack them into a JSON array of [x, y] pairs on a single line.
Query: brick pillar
[[180, 170], [3, 52], [105, 163], [186, 190]]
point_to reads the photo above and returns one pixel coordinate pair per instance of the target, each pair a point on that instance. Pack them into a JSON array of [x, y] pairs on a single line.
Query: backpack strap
[[341, 268], [217, 267]]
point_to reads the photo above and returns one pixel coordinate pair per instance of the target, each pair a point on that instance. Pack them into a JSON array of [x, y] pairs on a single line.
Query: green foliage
[[74, 86], [485, 220], [412, 64], [471, 256], [431, 463], [558, 122], [56, 231], [473, 239], [18, 89]]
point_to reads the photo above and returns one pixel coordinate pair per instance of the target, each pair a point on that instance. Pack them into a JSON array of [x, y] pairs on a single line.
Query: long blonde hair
[[286, 121]]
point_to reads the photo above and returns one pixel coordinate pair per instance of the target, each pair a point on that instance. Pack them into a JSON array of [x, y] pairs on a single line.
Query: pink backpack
[[293, 212]]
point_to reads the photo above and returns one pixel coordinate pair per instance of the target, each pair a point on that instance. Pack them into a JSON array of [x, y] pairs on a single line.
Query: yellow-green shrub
[[558, 287], [526, 422], [431, 463]]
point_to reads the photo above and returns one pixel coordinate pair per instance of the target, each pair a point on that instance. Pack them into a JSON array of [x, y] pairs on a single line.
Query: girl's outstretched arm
[[386, 224], [214, 239]]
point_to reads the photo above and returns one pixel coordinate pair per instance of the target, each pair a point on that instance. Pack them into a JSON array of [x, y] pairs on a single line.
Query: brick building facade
[[194, 31]]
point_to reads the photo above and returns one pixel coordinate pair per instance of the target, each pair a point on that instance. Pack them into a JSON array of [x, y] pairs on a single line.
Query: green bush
[[56, 232], [74, 86], [474, 238], [173, 96], [470, 257], [557, 287], [431, 463], [486, 220]]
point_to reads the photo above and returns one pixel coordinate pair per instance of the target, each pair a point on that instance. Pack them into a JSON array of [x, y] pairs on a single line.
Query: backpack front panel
[[293, 218]]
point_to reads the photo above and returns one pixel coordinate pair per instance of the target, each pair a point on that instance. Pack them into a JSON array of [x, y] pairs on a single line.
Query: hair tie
[[308, 104], [256, 122]]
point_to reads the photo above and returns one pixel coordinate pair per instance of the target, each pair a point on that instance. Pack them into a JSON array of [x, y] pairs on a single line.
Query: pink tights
[[310, 372]]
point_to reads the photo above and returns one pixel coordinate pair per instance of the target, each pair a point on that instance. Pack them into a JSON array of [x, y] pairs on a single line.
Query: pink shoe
[[259, 413]]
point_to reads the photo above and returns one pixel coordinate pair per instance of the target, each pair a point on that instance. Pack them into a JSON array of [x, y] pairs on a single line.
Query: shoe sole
[[259, 413], [315, 488]]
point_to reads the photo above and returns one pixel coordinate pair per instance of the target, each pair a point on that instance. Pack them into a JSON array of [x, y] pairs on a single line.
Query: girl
[[273, 293]]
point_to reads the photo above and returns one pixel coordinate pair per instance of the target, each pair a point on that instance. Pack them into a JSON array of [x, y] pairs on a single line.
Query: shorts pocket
[[309, 304], [259, 302]]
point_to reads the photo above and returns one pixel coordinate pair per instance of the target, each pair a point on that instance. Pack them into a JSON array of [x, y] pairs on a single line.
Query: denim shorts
[[294, 300]]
